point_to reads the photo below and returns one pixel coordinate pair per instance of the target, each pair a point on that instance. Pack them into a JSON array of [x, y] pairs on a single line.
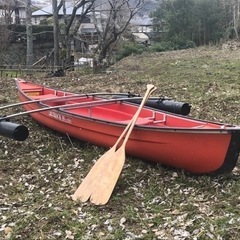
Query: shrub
[[41, 33], [130, 48], [161, 47], [182, 43]]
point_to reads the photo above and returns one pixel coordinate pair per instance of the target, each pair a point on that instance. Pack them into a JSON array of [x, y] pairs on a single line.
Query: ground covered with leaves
[[38, 175]]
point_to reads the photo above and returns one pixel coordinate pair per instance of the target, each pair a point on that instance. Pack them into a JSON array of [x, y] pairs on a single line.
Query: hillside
[[38, 176]]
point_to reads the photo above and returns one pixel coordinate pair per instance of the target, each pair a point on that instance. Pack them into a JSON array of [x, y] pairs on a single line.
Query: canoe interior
[[112, 112]]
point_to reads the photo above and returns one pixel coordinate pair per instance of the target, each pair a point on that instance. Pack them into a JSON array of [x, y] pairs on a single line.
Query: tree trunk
[[112, 24], [55, 34], [29, 37]]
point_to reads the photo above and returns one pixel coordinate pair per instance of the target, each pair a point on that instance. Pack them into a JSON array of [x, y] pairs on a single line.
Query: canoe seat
[[140, 121], [27, 89], [44, 96]]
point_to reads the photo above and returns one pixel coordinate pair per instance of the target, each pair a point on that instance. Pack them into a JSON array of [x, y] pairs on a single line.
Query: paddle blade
[[107, 179], [88, 185]]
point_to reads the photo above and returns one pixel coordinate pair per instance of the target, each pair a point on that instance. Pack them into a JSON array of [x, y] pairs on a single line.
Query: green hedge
[[40, 33], [133, 48]]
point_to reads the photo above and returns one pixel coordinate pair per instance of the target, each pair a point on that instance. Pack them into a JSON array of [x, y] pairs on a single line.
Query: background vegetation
[[183, 24], [38, 176], [199, 21]]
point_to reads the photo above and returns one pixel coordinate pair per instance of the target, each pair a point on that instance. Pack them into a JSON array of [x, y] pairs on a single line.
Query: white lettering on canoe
[[60, 117]]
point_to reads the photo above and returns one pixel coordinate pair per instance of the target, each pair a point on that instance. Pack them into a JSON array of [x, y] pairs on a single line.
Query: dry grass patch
[[38, 176]]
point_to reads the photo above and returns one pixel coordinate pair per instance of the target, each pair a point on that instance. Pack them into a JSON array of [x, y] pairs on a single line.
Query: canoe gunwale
[[226, 128]]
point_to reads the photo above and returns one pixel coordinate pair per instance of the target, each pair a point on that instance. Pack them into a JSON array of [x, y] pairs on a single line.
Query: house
[[141, 24], [86, 34], [47, 12], [141, 28]]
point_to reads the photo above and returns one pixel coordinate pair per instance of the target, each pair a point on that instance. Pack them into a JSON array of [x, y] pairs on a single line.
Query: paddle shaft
[[69, 97], [129, 127], [150, 90], [66, 106]]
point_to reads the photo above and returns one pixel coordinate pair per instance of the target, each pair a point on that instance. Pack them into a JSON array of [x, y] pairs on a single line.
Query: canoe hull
[[194, 150]]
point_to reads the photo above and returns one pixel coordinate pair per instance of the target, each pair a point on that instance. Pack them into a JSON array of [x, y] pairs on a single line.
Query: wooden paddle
[[67, 97], [65, 107], [100, 181]]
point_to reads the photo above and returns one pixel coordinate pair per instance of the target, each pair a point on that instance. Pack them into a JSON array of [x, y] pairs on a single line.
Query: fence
[[18, 71], [73, 71]]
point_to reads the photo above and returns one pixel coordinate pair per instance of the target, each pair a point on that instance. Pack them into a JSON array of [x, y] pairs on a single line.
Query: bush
[[161, 47], [41, 33], [130, 48], [182, 43], [176, 43]]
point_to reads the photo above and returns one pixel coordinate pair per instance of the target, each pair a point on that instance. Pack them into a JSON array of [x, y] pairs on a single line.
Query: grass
[[38, 176]]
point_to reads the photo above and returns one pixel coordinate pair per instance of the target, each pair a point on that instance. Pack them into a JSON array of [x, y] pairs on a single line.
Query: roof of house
[[47, 11], [141, 36], [87, 28]]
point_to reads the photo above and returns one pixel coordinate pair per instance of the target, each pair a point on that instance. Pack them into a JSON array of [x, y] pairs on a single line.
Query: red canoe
[[197, 146]]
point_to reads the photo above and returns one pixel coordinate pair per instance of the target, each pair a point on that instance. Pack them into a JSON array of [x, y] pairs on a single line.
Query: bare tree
[[4, 37], [232, 10], [236, 17], [5, 15], [29, 36], [69, 27], [7, 8], [72, 23], [56, 8], [111, 19]]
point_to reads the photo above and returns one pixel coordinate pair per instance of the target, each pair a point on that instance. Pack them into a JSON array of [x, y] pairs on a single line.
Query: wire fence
[[13, 63], [16, 71]]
